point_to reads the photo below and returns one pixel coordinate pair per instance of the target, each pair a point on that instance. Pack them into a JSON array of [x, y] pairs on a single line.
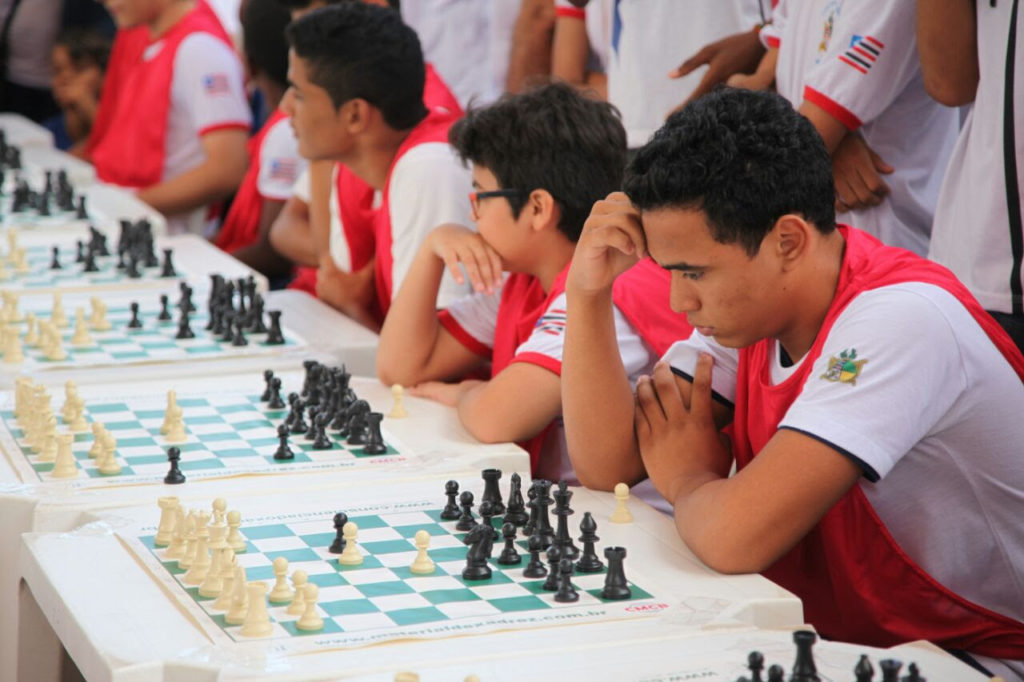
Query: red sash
[[128, 150], [126, 51], [856, 583], [241, 226]]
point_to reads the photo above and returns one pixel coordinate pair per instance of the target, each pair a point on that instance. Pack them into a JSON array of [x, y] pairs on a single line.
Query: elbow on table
[[729, 555]]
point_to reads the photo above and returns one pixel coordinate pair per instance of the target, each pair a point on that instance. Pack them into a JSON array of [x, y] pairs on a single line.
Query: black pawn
[[135, 322], [890, 669], [184, 330], [804, 669], [374, 438], [174, 475], [516, 510], [185, 300], [615, 585], [566, 593], [165, 314], [90, 261], [509, 556], [229, 327], [589, 561], [120, 260], [133, 268], [283, 451], [451, 507], [80, 212], [314, 412], [492, 493], [268, 375], [466, 520], [338, 546], [486, 510], [167, 268], [276, 403], [913, 674], [535, 568], [55, 258], [256, 324], [755, 664], [776, 673], [864, 671], [239, 339], [554, 557], [79, 251], [322, 442], [296, 419], [274, 335]]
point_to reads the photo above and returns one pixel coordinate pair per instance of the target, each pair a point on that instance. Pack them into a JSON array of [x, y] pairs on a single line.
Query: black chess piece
[[890, 669], [615, 585], [184, 330], [313, 412], [185, 300], [466, 520], [451, 508], [589, 561], [268, 374], [804, 669], [375, 444], [55, 258], [913, 674], [309, 369], [509, 556], [566, 593], [357, 422], [43, 205], [229, 327], [121, 265], [81, 213], [755, 664], [492, 493], [135, 322], [480, 541], [275, 403], [79, 251], [338, 545], [283, 451], [174, 475], [554, 557], [515, 513], [167, 268], [534, 567], [132, 271], [296, 417], [531, 521], [486, 510], [90, 261], [776, 673], [541, 503], [321, 441], [864, 671], [239, 339], [165, 314], [274, 335], [256, 324], [563, 511]]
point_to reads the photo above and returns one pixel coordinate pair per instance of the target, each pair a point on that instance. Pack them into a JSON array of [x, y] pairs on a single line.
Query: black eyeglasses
[[475, 197]]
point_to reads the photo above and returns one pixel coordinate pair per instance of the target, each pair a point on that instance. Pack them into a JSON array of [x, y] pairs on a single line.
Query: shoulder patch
[[845, 368]]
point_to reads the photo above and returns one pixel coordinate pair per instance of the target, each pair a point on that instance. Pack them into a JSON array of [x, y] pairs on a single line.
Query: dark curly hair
[[743, 158], [365, 51], [549, 138]]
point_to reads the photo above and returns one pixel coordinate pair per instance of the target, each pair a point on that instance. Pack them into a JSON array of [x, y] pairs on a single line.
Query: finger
[[703, 56], [641, 425], [451, 261], [647, 397], [497, 267], [879, 163], [874, 186], [668, 392], [700, 396], [469, 261], [483, 253]]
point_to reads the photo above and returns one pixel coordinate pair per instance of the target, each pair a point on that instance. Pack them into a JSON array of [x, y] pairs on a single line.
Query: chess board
[[72, 277], [229, 433], [154, 342], [30, 218], [381, 600]]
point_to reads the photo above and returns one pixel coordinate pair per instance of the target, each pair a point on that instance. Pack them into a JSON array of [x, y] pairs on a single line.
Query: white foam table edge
[[23, 132]]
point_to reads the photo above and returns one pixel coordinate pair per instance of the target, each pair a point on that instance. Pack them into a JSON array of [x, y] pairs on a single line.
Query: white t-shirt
[[280, 163], [858, 61], [934, 420], [477, 316], [207, 93], [338, 245], [972, 228], [428, 187], [652, 37]]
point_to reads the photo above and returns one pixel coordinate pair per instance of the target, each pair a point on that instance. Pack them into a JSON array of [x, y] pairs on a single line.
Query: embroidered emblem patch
[[863, 53], [844, 369]]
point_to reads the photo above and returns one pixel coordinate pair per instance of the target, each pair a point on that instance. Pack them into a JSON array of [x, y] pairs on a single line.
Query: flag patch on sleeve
[[552, 322], [286, 170], [216, 84], [862, 53]]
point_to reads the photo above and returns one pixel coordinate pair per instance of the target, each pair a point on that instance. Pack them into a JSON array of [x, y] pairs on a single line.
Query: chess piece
[[239, 600], [275, 337], [566, 593], [466, 521], [374, 438], [13, 353], [621, 513], [864, 671], [257, 619], [31, 337], [98, 320], [509, 556], [338, 545], [167, 268], [562, 510], [890, 669], [350, 556], [298, 605], [165, 313], [79, 251], [174, 475], [80, 212], [516, 510], [321, 441], [97, 440], [422, 564], [89, 264], [492, 493], [81, 337], [398, 406], [135, 322], [913, 674], [283, 452], [615, 585], [803, 669], [65, 466], [589, 562], [239, 339], [281, 594], [776, 673], [47, 442], [108, 464], [201, 560], [275, 402], [171, 412], [235, 539], [184, 330], [310, 620], [542, 524], [268, 374], [165, 529], [554, 555], [451, 508], [535, 568], [755, 664], [480, 540], [213, 582], [55, 258]]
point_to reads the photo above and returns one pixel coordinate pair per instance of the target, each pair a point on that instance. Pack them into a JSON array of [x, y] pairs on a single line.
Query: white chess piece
[[398, 408], [621, 513], [178, 544], [169, 411], [213, 581], [298, 605], [281, 594], [165, 529], [53, 349], [48, 440], [5, 274], [97, 440], [350, 556], [107, 462], [176, 431], [257, 618], [239, 600], [422, 564], [57, 316], [31, 336], [310, 619], [99, 319], [81, 337], [13, 354], [78, 421], [20, 262], [235, 539], [223, 602], [201, 560], [65, 466]]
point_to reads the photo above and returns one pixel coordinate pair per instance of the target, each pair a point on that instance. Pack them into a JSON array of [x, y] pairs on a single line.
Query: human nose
[[683, 296]]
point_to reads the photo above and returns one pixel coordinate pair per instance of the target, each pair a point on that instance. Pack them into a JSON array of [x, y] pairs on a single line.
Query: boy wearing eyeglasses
[[539, 162]]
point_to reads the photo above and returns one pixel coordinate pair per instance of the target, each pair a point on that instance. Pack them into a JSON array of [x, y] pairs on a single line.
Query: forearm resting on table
[[515, 405], [290, 234], [215, 178]]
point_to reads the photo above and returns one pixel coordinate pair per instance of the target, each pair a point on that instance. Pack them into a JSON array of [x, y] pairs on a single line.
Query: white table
[[22, 132], [141, 630], [105, 204], [37, 159], [442, 448]]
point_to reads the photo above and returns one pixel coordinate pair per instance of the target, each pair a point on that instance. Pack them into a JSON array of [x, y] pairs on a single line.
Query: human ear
[[790, 238]]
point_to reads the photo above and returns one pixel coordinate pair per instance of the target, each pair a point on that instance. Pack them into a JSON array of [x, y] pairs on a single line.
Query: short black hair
[[744, 158], [365, 51], [303, 4], [549, 138], [266, 49], [85, 46]]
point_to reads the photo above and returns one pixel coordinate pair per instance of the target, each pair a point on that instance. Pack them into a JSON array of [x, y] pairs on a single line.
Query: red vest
[[856, 583], [241, 226], [129, 43], [129, 148]]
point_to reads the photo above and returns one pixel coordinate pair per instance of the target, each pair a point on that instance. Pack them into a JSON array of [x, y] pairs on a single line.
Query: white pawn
[[239, 600], [220, 506], [298, 605], [31, 336], [78, 421], [65, 466], [310, 619], [81, 337], [11, 306], [257, 618], [52, 347], [350, 556], [70, 393], [48, 440], [235, 539], [13, 354], [57, 316], [97, 440], [621, 514], [107, 462], [98, 319], [281, 594], [398, 408], [422, 564]]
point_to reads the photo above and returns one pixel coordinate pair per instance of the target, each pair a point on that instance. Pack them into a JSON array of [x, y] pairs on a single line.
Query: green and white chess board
[[72, 276]]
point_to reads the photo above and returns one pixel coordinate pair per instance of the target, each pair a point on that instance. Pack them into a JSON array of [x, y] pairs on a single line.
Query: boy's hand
[[738, 53], [612, 242], [442, 392], [455, 244], [857, 170], [351, 293], [679, 443]]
